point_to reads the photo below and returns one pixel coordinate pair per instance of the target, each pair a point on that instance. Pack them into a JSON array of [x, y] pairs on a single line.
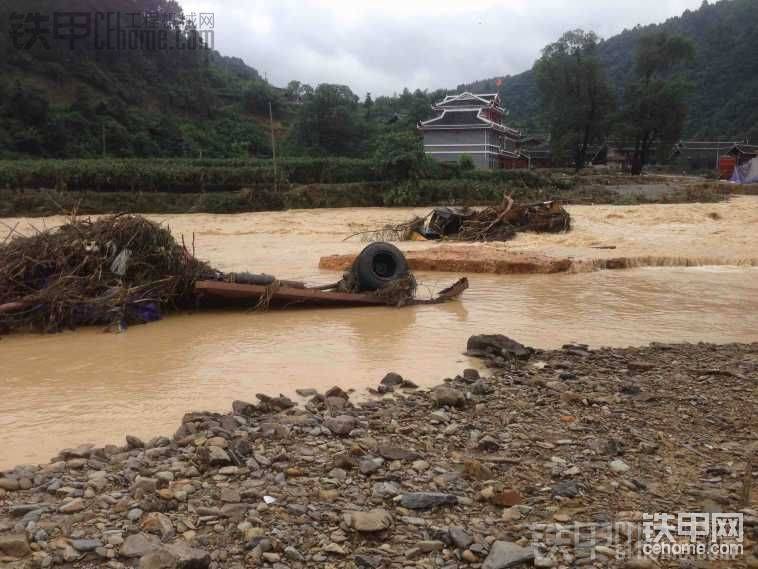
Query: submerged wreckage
[[125, 269], [499, 223]]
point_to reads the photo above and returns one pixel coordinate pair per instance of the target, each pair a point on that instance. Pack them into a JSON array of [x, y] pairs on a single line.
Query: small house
[[472, 125]]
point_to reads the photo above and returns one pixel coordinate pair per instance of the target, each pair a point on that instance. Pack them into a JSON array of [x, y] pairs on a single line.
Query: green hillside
[[75, 101], [724, 73], [181, 99]]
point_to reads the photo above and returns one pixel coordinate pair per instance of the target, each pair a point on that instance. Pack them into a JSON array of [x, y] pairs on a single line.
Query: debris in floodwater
[[124, 269], [379, 276], [499, 223], [116, 270]]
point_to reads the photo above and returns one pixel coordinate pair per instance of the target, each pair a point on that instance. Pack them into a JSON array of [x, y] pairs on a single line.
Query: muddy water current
[[88, 386]]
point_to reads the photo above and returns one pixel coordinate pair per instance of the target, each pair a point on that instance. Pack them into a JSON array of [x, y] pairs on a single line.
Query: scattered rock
[[397, 453], [505, 554], [271, 486], [72, 507], [566, 489], [392, 380], [133, 442], [86, 545], [243, 408], [426, 500], [218, 456], [157, 523], [139, 544], [14, 545], [341, 425], [499, 345], [447, 396], [375, 520], [9, 484], [619, 466], [460, 537]]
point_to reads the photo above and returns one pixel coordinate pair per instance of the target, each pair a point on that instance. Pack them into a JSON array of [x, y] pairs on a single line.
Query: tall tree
[[655, 101], [576, 98], [329, 122]]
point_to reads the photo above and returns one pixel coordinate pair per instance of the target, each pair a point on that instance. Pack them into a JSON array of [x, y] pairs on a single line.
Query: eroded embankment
[[452, 259], [463, 473], [462, 259]]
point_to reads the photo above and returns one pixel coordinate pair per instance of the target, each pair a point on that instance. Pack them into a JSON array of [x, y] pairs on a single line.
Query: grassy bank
[[190, 176], [48, 187], [41, 202]]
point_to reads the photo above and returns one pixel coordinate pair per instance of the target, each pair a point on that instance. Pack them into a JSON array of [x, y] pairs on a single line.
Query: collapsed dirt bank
[[462, 259], [453, 477], [496, 261]]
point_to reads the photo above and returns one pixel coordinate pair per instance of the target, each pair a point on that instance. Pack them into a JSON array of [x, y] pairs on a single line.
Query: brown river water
[[89, 386]]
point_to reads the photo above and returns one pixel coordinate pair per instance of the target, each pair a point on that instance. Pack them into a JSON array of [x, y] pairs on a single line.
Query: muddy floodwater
[[88, 386]]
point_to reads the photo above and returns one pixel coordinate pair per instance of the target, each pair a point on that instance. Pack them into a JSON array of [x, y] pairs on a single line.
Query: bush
[[466, 163]]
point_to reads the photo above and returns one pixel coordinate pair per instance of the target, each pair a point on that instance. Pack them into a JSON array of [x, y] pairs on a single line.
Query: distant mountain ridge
[[724, 74]]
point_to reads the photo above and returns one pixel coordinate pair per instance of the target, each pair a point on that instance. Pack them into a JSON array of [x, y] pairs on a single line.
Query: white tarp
[[746, 173]]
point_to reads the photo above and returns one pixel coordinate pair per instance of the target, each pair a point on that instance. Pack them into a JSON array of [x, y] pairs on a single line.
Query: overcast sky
[[382, 46]]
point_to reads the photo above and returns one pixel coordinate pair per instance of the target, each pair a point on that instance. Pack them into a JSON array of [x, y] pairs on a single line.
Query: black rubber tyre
[[378, 265]]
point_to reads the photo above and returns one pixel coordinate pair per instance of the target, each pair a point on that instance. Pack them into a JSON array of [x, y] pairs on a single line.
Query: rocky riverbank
[[478, 472]]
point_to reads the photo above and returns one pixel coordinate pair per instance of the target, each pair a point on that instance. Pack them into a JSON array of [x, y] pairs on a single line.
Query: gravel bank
[[458, 476]]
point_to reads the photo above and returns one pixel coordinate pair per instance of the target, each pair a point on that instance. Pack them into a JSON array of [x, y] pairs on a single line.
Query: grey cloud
[[383, 47]]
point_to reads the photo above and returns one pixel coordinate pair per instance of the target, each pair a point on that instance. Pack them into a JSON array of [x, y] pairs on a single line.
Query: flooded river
[[87, 386]]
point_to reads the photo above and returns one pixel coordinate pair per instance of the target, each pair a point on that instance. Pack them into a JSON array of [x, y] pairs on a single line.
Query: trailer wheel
[[378, 265]]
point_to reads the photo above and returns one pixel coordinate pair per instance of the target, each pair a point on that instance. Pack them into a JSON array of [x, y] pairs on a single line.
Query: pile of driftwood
[[499, 223], [113, 271]]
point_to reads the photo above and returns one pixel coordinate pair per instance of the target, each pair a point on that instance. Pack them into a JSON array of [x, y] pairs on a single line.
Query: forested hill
[[76, 96], [724, 73]]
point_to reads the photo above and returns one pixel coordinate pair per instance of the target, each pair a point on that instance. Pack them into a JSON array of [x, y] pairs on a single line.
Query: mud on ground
[[459, 476]]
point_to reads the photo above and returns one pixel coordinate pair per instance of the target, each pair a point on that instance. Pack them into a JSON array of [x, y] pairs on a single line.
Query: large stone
[[146, 483], [139, 544], [498, 345], [243, 408], [460, 537], [179, 555], [82, 451], [385, 490], [392, 379], [397, 453], [504, 554], [133, 442], [231, 495], [14, 545], [9, 484], [157, 523], [447, 396], [189, 557], [72, 507], [375, 520], [368, 466], [86, 545], [218, 456], [426, 500], [158, 559], [337, 392], [341, 425], [619, 466], [567, 489]]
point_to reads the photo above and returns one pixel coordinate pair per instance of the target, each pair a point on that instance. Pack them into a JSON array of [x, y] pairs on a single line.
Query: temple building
[[472, 125]]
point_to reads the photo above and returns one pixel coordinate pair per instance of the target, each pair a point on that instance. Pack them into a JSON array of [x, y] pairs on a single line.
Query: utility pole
[[273, 145], [103, 139]]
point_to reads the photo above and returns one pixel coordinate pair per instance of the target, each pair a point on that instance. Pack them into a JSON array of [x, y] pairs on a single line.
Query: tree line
[[59, 103], [581, 108]]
